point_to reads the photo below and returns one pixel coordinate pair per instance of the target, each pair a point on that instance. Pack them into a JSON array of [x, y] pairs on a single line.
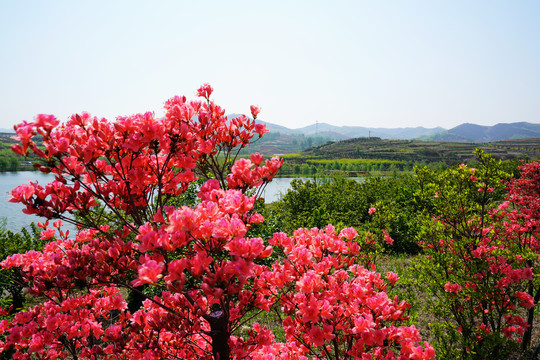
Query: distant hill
[[463, 133], [278, 128], [282, 140], [278, 143], [349, 132], [478, 133]]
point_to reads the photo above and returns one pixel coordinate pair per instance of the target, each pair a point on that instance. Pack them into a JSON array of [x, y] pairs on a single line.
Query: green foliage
[[187, 198], [397, 212], [14, 243], [345, 203], [307, 165], [319, 202], [456, 206], [9, 161]]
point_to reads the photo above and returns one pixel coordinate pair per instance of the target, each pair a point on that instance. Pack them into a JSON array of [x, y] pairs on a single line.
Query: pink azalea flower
[[255, 110], [149, 273]]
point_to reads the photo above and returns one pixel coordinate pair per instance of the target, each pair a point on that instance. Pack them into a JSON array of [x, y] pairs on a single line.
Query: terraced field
[[423, 151]]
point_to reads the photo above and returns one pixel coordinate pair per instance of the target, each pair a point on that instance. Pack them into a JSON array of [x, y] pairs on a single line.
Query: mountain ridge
[[401, 133], [466, 132]]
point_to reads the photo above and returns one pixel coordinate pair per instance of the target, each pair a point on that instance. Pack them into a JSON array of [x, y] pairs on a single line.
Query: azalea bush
[[519, 216], [335, 308], [481, 258], [155, 273]]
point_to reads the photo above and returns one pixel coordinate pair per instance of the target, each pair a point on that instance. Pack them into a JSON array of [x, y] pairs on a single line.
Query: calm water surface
[[12, 212], [276, 188]]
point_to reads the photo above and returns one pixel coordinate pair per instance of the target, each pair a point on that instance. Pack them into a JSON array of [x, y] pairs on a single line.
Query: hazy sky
[[362, 63]]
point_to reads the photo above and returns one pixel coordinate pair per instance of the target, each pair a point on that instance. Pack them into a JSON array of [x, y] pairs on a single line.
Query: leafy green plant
[[11, 283], [345, 202], [474, 281]]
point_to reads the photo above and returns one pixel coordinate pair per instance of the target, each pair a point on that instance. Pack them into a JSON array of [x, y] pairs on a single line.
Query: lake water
[[276, 188], [12, 212], [16, 219]]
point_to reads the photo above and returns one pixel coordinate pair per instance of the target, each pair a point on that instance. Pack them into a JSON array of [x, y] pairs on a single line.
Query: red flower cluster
[[335, 306]]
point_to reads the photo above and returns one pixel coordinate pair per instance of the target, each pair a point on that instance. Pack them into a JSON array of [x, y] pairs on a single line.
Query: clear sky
[[361, 63]]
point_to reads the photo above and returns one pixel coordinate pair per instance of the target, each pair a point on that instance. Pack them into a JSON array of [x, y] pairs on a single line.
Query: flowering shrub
[[194, 275], [481, 259], [334, 308], [519, 217]]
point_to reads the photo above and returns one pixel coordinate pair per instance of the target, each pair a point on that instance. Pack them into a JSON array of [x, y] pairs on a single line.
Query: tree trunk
[[219, 332], [530, 319], [136, 298], [16, 290]]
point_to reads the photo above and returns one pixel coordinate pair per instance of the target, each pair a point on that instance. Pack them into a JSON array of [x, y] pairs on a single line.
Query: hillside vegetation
[[423, 151], [364, 156], [10, 161]]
